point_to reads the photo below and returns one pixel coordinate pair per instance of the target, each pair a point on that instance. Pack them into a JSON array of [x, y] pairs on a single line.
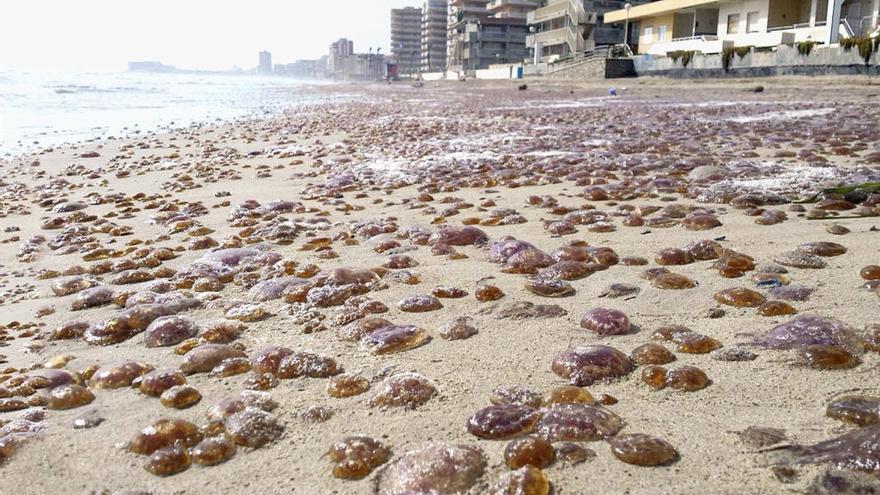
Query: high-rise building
[[265, 66], [406, 40], [461, 13], [340, 50], [435, 14], [512, 9]]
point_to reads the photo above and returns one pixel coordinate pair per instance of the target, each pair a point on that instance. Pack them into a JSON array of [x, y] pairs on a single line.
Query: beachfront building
[[265, 65], [566, 28], [559, 30], [460, 14], [512, 9], [492, 35], [340, 51], [434, 34], [479, 44], [406, 40], [710, 26]]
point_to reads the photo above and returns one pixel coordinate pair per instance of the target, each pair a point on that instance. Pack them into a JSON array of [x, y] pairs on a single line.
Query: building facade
[[711, 26], [512, 9], [265, 65], [434, 35], [480, 43], [560, 29], [406, 40], [566, 28], [340, 50], [461, 13]]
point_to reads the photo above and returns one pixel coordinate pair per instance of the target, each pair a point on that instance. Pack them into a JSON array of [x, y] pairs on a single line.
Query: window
[[752, 20], [648, 34], [661, 32], [733, 24]]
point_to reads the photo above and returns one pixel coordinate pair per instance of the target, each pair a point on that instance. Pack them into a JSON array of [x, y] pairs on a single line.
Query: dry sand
[[772, 390]]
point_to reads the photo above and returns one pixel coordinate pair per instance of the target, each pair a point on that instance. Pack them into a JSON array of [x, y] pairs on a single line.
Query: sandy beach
[[375, 180]]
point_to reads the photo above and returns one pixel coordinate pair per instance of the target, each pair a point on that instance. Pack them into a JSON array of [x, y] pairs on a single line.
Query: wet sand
[[370, 159]]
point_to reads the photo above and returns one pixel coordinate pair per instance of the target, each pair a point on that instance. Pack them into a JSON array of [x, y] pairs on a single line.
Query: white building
[[709, 26]]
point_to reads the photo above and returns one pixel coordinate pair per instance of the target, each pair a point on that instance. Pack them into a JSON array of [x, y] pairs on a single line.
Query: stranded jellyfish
[[205, 357], [674, 281], [488, 293], [568, 394], [68, 396], [776, 308], [212, 451], [859, 410], [822, 248], [548, 287], [739, 297], [651, 353], [168, 461], [118, 375], [436, 468], [529, 451], [347, 385], [603, 322], [578, 422], [419, 303], [165, 433], [306, 364], [586, 364], [156, 382], [642, 450], [502, 421], [458, 329], [800, 259], [355, 457], [252, 427], [169, 330], [673, 256], [527, 480], [687, 378], [407, 390], [516, 395], [856, 450], [827, 357], [792, 292], [394, 338], [804, 330]]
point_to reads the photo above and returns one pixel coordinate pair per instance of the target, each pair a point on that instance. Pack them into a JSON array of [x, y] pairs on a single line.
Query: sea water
[[43, 110]]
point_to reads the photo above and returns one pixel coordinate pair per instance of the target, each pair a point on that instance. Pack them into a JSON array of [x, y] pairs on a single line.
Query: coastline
[[364, 142]]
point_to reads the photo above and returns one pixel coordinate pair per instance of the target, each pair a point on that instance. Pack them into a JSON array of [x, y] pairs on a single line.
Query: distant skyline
[[103, 35]]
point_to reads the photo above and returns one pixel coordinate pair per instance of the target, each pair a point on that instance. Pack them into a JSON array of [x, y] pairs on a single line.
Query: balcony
[[571, 8]]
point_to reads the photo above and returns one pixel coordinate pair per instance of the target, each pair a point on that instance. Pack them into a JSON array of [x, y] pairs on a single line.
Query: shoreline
[[467, 151]]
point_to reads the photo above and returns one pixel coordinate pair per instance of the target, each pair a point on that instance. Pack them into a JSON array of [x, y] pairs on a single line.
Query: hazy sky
[[205, 34]]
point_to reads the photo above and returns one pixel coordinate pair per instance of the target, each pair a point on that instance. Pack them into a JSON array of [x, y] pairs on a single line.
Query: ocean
[[42, 110]]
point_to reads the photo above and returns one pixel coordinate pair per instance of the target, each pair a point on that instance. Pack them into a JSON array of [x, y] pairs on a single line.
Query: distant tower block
[[265, 66]]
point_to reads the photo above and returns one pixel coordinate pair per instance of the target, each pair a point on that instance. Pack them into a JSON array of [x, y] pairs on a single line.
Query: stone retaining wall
[[785, 60]]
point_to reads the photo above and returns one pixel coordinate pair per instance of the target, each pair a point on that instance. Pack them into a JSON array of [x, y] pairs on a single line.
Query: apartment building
[[565, 28], [435, 16], [265, 65], [406, 40], [710, 26], [511, 9]]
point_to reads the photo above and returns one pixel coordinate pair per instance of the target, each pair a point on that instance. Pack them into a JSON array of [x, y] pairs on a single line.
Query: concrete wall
[[596, 69], [785, 60], [505, 72]]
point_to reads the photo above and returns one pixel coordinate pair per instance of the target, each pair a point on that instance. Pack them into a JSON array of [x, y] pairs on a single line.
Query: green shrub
[[805, 47], [728, 53], [866, 46], [684, 55]]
